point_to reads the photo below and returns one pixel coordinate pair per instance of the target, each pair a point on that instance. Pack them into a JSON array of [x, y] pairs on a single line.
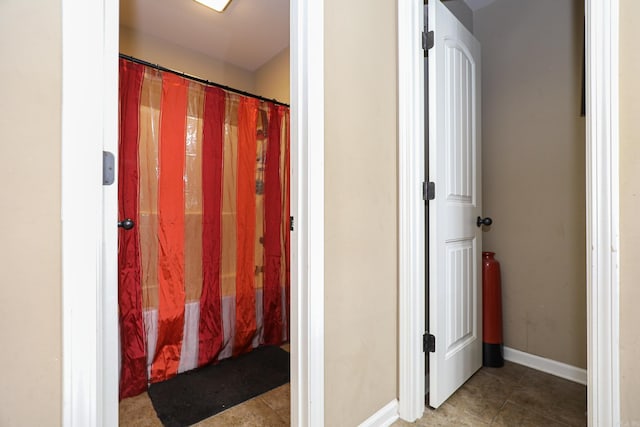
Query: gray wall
[[461, 11]]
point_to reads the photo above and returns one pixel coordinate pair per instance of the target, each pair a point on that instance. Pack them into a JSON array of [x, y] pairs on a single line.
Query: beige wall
[[360, 209], [167, 54], [533, 171], [272, 79], [30, 285], [629, 208]]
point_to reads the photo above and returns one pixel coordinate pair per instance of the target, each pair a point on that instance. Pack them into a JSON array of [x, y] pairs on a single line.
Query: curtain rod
[[199, 80]]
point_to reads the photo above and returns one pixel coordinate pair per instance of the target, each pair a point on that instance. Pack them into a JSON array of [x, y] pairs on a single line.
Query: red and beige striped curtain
[[204, 274]]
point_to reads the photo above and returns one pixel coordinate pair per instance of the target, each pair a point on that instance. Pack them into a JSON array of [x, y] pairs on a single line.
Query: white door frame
[[307, 205], [411, 211], [89, 126], [602, 211]]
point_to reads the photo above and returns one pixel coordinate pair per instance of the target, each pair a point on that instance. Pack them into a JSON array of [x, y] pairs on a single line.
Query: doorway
[[596, 24], [89, 381], [231, 300], [532, 163]]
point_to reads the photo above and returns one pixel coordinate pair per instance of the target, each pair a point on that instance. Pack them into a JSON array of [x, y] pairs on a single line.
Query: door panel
[[455, 241]]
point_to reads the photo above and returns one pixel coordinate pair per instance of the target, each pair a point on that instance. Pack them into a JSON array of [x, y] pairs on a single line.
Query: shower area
[[204, 239]]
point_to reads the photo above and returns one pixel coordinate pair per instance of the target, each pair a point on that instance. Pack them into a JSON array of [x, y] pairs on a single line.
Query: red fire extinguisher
[[492, 351]]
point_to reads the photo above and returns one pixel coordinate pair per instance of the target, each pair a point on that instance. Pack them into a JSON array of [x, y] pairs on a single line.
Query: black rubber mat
[[195, 395]]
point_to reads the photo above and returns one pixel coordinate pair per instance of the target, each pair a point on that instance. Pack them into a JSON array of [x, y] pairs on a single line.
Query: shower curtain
[[204, 274]]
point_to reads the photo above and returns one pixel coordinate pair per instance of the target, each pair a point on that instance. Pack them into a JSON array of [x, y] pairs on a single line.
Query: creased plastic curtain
[[204, 274]]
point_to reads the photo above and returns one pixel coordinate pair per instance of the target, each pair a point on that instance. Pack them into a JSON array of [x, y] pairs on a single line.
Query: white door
[[455, 241]]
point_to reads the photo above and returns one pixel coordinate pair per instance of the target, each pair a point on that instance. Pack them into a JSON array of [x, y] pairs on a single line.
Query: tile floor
[[514, 396], [509, 396]]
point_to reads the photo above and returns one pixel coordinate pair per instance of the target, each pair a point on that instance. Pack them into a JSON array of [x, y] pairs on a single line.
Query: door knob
[[484, 221], [127, 224]]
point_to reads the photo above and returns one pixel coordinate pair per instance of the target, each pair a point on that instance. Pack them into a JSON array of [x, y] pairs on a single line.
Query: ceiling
[[248, 34]]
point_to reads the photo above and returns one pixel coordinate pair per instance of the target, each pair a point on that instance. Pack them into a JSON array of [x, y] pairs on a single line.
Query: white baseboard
[[384, 417], [549, 366]]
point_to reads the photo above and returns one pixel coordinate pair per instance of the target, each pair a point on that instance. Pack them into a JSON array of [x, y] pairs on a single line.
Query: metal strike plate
[[108, 168]]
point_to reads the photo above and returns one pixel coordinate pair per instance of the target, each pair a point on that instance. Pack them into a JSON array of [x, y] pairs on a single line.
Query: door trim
[[602, 191], [307, 196], [602, 207], [411, 217], [89, 124]]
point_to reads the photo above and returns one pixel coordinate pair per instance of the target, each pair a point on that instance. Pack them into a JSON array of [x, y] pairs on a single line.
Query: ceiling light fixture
[[217, 5]]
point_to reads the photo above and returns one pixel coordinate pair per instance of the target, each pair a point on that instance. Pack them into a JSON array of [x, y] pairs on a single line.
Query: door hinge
[[427, 41], [428, 343], [108, 168], [428, 191], [291, 223]]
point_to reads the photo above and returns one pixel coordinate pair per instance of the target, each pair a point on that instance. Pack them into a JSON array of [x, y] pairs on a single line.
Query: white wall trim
[[603, 283], [384, 417], [108, 309], [553, 367], [87, 119], [307, 206], [411, 228]]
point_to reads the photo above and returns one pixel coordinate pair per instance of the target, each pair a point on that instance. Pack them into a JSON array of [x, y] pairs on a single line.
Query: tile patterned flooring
[[509, 396], [514, 396]]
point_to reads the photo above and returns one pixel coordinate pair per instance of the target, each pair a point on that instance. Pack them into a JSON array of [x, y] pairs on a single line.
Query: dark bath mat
[[195, 395]]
